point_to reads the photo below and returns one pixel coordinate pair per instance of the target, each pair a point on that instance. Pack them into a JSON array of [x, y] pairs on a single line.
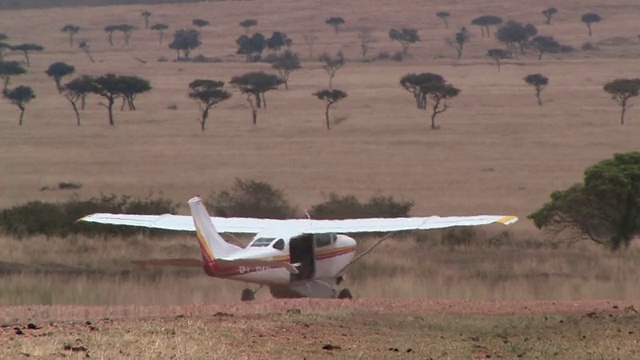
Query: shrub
[[383, 55], [251, 198], [349, 207], [398, 56], [59, 219], [458, 236], [588, 46]]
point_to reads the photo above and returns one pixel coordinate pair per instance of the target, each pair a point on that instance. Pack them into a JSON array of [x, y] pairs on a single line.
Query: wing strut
[[389, 235]]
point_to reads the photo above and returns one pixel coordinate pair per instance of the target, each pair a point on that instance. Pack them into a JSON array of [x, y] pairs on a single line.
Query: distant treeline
[[24, 4]]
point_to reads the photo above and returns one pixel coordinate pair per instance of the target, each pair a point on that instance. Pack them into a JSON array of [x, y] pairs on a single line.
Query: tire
[[345, 294], [247, 295]]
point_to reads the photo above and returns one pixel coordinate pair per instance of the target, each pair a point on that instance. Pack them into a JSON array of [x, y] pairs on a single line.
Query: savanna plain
[[492, 293]]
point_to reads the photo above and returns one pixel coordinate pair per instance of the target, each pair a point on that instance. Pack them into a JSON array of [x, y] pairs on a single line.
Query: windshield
[[262, 242]]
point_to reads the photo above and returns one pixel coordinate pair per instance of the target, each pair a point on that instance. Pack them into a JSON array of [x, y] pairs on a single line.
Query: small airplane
[[294, 258]]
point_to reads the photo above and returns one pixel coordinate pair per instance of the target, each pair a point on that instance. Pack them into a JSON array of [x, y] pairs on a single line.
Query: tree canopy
[[285, 64], [590, 18], [19, 96], [251, 198], [160, 28], [26, 49], [277, 41], [146, 15], [208, 93], [605, 207], [432, 87], [247, 24], [546, 44], [70, 29], [335, 22], [461, 37], [538, 81], [621, 90], [485, 21], [331, 64], [251, 46], [255, 85], [405, 37], [498, 55], [77, 90], [548, 14], [112, 87], [444, 15], [200, 23], [185, 40], [58, 70], [9, 69], [515, 35], [331, 96]]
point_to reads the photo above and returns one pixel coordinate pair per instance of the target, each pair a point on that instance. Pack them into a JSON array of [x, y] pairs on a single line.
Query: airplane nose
[[349, 241]]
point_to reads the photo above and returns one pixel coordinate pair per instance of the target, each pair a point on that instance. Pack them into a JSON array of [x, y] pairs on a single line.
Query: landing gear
[[345, 294], [248, 295]]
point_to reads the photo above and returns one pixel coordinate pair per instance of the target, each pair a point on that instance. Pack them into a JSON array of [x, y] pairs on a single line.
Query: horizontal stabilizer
[[184, 262], [253, 263]]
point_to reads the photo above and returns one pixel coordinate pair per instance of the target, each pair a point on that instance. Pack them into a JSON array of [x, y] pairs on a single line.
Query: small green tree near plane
[[331, 96], [19, 96], [621, 91], [604, 208], [208, 93]]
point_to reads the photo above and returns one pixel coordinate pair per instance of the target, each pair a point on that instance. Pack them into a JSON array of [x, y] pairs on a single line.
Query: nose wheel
[[345, 294]]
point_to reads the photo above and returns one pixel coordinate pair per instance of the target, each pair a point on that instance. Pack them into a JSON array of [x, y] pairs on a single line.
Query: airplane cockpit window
[[262, 242], [323, 239], [279, 245]]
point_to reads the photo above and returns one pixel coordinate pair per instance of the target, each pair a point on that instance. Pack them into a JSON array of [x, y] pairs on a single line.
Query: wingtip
[[195, 199], [507, 220], [84, 218]]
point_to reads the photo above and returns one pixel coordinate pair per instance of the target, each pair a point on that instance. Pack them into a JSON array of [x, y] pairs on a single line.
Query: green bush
[[349, 207], [59, 219], [251, 198]]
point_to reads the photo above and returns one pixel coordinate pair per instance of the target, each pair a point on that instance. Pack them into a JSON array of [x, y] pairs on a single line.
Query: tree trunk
[[326, 115], [110, 108], [161, 36], [75, 110], [70, 39], [446, 23], [624, 110], [205, 115], [254, 111], [26, 56], [89, 55], [589, 27], [21, 114], [538, 90], [331, 75], [111, 38], [83, 101]]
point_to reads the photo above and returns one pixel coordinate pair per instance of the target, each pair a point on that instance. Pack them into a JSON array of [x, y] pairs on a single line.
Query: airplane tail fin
[[212, 245]]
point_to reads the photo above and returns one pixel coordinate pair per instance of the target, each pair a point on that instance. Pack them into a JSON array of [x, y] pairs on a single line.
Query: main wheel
[[345, 294], [247, 295]]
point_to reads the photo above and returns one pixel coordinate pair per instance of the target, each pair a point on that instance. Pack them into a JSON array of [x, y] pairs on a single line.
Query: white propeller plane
[[294, 257]]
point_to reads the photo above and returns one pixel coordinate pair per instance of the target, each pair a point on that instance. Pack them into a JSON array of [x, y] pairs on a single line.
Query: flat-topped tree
[[621, 90], [545, 44], [548, 14], [331, 64], [413, 83], [127, 30], [462, 37], [3, 48], [251, 46], [335, 22], [444, 15], [590, 18], [77, 90], [84, 45], [405, 36], [71, 30], [331, 96], [9, 69], [498, 55], [132, 86], [285, 64], [19, 96], [430, 87], [200, 23], [538, 81], [26, 49], [110, 29], [247, 24], [146, 15], [57, 71], [515, 35], [255, 85], [485, 22], [160, 28], [208, 93], [185, 40], [112, 87]]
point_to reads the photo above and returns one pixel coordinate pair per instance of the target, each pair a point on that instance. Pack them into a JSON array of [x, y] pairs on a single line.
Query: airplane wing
[[254, 226]]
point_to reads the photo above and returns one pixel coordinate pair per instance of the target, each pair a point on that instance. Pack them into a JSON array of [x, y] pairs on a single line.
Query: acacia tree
[[26, 49], [160, 28], [548, 13], [605, 207], [546, 44], [621, 90], [332, 64], [185, 40], [432, 87], [58, 70], [310, 40], [110, 29], [112, 87], [200, 23], [406, 37], [3, 47], [277, 41], [247, 24], [132, 86], [255, 85], [84, 45], [9, 69], [251, 46], [335, 22], [498, 55], [514, 34], [127, 30], [285, 64], [77, 90], [462, 37], [208, 93], [485, 21], [70, 29], [444, 15], [19, 96], [590, 18], [146, 15], [331, 96], [538, 81], [365, 37]]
